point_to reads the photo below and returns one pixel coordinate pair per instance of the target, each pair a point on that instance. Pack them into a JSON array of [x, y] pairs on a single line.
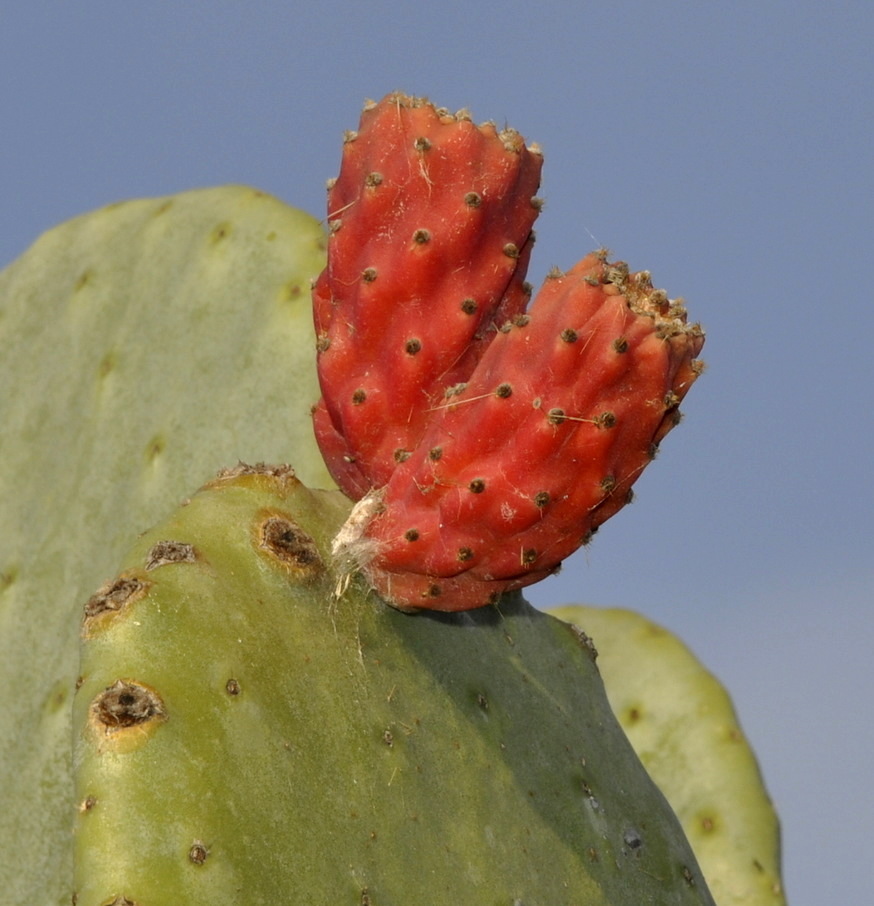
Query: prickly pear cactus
[[252, 723], [143, 346], [246, 735], [682, 724]]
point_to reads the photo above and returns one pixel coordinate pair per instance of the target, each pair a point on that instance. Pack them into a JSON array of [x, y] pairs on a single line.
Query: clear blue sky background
[[727, 147]]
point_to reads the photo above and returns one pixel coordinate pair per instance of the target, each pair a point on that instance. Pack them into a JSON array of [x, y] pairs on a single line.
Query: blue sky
[[727, 148]]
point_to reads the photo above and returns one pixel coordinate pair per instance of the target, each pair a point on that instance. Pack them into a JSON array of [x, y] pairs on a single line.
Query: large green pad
[[142, 346], [682, 724], [244, 736]]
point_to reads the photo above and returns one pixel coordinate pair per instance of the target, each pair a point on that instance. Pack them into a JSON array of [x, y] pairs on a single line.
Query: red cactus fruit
[[481, 469], [430, 234]]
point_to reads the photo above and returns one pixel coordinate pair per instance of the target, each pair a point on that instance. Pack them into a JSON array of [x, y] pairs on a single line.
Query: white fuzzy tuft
[[351, 549]]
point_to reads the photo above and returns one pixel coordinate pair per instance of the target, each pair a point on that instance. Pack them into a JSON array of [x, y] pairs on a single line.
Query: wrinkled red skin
[[489, 488]]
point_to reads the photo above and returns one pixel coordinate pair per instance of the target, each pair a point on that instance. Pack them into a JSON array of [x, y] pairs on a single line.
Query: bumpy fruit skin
[[430, 234], [244, 734], [485, 442], [142, 346], [683, 726]]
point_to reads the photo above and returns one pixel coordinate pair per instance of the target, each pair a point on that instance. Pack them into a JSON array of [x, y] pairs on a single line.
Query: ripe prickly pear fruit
[[704, 766], [484, 443], [430, 234], [245, 735], [522, 463], [143, 345]]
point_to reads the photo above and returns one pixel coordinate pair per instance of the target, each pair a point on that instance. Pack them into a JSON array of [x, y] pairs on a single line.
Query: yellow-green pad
[[682, 724], [244, 736], [142, 347]]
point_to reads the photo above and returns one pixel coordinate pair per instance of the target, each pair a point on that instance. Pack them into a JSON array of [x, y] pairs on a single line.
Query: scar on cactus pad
[[484, 438]]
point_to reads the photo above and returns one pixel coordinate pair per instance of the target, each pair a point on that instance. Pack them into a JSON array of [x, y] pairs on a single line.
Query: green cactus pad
[[682, 724], [246, 732], [142, 346]]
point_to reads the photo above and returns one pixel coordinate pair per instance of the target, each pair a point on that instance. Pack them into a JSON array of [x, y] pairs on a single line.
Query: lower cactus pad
[[248, 732]]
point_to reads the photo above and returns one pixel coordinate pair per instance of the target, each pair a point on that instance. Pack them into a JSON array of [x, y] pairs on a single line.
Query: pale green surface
[[370, 756], [142, 347], [682, 724]]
